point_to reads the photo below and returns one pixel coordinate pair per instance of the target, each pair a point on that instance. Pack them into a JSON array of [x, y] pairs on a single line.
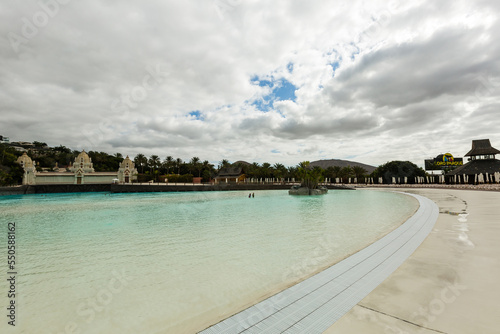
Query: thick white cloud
[[375, 81]]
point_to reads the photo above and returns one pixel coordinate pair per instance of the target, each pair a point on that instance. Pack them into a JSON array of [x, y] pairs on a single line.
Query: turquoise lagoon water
[[176, 262]]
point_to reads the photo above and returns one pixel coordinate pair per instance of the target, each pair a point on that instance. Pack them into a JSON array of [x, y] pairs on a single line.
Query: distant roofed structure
[[482, 149], [481, 160], [230, 175]]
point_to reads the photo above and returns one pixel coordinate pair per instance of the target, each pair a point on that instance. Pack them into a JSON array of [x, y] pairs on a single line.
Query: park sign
[[443, 161]]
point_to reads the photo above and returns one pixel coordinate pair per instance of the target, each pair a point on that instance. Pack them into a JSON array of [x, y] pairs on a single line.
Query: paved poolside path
[[313, 305]]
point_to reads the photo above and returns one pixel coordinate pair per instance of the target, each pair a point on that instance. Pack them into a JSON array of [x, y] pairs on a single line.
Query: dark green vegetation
[[10, 171], [398, 169], [310, 176]]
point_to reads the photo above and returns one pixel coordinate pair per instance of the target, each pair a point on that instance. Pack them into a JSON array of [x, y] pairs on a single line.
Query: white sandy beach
[[450, 284]]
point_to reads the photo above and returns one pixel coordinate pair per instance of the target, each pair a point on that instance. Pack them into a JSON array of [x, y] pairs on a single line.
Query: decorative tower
[[83, 163], [28, 165], [81, 166], [127, 171]]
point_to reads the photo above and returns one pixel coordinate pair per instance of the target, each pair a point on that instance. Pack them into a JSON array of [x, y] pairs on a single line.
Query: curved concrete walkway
[[313, 305]]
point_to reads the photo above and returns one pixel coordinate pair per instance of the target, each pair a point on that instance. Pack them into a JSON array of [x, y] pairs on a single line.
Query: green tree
[[397, 169], [104, 162], [39, 144], [346, 172], [62, 149], [279, 170], [195, 165], [333, 172], [11, 173], [154, 163], [224, 164], [292, 172], [265, 170], [310, 177], [140, 160], [252, 170], [336, 171], [178, 164], [169, 162], [208, 170], [359, 172]]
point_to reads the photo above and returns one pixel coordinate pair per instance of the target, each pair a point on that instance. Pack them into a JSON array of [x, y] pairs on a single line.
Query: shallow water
[[176, 262]]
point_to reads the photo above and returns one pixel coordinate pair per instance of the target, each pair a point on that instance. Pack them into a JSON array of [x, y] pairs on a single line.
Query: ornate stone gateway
[[80, 172]]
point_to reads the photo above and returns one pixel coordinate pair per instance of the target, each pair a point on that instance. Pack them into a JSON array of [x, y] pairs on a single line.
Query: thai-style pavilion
[[230, 175], [482, 161], [80, 172]]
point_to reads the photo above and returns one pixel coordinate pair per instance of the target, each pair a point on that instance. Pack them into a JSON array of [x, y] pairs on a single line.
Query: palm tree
[[178, 163], [265, 170], [224, 164], [154, 162], [168, 163], [359, 172], [317, 175], [336, 171], [345, 172], [302, 169], [253, 170], [279, 170], [310, 177], [292, 172], [195, 163], [207, 165], [141, 160], [208, 168]]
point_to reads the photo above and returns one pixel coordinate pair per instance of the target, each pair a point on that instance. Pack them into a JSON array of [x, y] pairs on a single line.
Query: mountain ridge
[[342, 163], [325, 164]]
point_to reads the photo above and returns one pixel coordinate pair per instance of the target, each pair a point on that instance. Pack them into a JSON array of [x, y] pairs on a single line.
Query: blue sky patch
[[197, 114], [285, 91], [261, 83], [334, 66], [281, 90], [264, 104]]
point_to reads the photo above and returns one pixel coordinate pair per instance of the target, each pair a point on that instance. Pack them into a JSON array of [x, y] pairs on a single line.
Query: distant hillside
[[325, 164], [244, 163], [341, 163]]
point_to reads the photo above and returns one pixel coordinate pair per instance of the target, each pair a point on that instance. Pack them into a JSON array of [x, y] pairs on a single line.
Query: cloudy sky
[[267, 81]]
